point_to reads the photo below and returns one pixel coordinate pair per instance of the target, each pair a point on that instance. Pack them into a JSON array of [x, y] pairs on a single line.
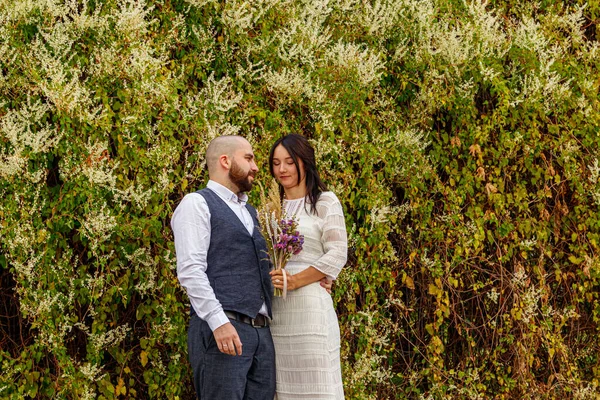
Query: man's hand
[[227, 340], [327, 284]]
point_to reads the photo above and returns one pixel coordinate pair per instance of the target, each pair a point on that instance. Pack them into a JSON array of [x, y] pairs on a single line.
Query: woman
[[305, 328]]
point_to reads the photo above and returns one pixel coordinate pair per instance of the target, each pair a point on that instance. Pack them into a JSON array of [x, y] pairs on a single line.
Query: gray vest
[[238, 266]]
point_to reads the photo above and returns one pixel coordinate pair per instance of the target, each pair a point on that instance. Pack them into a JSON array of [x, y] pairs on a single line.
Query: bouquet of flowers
[[280, 232]]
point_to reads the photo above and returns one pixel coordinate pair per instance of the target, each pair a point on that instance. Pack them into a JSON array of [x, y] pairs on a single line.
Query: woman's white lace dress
[[305, 327]]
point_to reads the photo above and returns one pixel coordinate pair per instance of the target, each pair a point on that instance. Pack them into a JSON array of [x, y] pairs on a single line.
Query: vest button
[[262, 297]]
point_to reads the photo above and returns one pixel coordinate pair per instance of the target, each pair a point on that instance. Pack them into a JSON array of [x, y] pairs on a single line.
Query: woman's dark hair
[[299, 148]]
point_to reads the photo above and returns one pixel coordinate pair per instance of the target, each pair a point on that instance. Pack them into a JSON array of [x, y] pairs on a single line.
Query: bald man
[[222, 264]]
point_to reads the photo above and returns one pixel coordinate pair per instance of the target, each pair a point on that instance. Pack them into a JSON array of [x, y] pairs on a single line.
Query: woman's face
[[285, 170]]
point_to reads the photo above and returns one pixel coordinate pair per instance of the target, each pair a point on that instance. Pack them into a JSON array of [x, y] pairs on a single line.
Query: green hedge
[[462, 138]]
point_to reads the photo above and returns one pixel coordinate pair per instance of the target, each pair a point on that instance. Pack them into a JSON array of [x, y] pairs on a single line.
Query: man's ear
[[224, 161]]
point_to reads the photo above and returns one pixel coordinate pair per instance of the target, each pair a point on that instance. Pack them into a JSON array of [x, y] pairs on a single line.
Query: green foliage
[[461, 137]]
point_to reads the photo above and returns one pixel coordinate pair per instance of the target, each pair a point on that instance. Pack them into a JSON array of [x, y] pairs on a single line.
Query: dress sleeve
[[334, 238]]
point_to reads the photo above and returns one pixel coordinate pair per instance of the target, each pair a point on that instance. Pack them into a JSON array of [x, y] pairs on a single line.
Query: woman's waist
[[312, 292]]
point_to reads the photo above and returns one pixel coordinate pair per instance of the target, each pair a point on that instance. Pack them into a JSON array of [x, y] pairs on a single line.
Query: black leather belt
[[259, 322]]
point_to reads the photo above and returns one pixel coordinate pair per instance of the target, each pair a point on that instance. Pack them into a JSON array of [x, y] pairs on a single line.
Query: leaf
[[144, 358], [433, 290], [575, 260], [475, 150], [412, 256], [490, 188], [430, 329], [480, 173], [120, 388]]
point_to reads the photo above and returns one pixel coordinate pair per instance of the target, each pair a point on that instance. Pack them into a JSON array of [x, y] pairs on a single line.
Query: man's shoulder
[[191, 204], [206, 194], [200, 191], [192, 199]]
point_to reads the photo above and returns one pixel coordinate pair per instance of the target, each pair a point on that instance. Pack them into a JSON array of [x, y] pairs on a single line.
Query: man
[[221, 262]]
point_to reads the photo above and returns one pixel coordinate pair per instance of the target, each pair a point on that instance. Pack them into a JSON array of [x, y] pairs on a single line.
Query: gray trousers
[[217, 376]]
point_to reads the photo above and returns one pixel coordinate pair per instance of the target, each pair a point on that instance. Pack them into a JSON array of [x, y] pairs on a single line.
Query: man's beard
[[240, 178]]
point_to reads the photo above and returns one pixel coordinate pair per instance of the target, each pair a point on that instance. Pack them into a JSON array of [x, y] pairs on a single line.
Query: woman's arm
[[333, 238], [296, 281], [335, 244]]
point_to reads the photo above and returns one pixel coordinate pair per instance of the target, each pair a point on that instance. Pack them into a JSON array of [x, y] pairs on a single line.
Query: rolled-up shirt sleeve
[[334, 237], [191, 229]]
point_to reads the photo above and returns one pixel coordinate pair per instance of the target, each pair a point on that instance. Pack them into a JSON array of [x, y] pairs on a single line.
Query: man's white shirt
[[191, 229]]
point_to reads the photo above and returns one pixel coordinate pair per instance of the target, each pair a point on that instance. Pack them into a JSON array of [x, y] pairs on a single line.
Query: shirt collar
[[227, 194]]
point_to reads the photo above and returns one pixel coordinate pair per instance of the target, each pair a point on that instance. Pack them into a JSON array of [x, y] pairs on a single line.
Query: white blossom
[[206, 38], [291, 83], [200, 3], [221, 129], [25, 130], [242, 15], [529, 303], [586, 391], [98, 167], [530, 36], [528, 244], [493, 295], [490, 34], [132, 18], [98, 226], [594, 172], [220, 94], [306, 36], [142, 260], [367, 65], [377, 17], [111, 338], [136, 194]]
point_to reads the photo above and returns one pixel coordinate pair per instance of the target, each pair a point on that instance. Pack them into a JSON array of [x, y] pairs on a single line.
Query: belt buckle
[[252, 323]]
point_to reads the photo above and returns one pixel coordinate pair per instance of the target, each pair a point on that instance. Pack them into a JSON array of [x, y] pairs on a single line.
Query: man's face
[[243, 168]]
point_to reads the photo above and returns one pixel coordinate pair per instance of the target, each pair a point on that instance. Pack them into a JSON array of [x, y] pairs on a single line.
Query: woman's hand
[[277, 279], [296, 281]]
